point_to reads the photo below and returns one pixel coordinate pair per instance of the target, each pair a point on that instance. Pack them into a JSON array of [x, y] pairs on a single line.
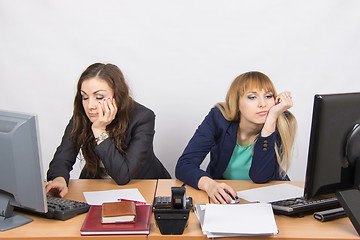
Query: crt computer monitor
[[22, 183], [334, 144]]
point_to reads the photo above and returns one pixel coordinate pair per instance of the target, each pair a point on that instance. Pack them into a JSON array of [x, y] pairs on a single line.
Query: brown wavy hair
[[81, 134], [286, 123]]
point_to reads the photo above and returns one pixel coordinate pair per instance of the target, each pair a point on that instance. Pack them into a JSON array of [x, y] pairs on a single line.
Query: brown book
[[92, 224], [113, 212]]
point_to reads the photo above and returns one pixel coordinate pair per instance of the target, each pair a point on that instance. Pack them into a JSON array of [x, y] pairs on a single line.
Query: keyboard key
[[63, 209]]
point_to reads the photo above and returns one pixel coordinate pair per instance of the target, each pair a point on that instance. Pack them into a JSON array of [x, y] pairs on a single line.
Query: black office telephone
[[165, 202], [172, 212]]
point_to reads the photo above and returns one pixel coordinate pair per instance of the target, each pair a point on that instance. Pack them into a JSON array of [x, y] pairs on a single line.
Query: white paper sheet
[[271, 193], [99, 197], [239, 220]]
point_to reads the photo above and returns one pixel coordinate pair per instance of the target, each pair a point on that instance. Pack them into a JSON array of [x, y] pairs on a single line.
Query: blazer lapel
[[227, 148]]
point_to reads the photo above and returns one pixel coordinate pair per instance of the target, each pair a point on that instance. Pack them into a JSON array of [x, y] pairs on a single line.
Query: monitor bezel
[[25, 185], [324, 106]]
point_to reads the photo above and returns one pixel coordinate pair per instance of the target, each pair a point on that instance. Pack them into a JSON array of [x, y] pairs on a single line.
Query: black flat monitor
[[334, 145], [22, 183]]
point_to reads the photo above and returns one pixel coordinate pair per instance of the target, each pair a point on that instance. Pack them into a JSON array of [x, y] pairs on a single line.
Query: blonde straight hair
[[286, 122]]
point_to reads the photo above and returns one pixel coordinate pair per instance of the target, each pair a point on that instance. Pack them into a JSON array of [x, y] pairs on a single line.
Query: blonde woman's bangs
[[257, 83]]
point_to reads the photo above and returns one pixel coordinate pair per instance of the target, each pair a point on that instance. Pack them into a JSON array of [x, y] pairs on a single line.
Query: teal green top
[[240, 163]]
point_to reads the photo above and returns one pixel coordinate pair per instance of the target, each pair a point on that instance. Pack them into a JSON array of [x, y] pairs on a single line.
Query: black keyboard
[[300, 206], [63, 209]]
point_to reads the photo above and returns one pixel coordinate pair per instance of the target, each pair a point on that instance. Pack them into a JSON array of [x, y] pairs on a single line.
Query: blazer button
[[265, 145], [265, 141], [264, 149]]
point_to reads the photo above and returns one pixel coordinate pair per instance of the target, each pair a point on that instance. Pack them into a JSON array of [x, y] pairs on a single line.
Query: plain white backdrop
[[179, 58]]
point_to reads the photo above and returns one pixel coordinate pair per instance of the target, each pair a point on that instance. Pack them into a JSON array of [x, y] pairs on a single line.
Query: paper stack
[[231, 220]]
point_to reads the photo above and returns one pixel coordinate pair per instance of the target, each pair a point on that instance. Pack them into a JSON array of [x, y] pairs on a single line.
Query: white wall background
[[179, 58]]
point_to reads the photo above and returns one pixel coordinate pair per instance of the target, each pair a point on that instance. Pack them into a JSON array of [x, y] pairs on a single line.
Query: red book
[[92, 224]]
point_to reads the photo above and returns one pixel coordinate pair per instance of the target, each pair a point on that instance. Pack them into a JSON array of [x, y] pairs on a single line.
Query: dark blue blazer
[[218, 136]]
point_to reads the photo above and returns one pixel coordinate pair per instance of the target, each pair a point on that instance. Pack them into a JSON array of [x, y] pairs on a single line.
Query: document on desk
[[99, 197], [229, 220], [199, 210], [271, 193]]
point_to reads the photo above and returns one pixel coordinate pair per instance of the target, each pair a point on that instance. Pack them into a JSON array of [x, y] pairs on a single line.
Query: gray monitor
[[22, 183]]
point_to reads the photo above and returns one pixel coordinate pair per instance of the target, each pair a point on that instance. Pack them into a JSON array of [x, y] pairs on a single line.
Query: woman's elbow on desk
[[262, 179], [122, 181], [259, 179]]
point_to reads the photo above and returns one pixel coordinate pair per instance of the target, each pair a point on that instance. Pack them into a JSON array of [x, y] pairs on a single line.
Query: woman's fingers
[[57, 187], [112, 108], [109, 110], [219, 193], [283, 103]]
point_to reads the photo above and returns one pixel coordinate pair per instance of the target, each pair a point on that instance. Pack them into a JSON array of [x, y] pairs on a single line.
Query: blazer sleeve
[[264, 167], [188, 166], [123, 167], [64, 157]]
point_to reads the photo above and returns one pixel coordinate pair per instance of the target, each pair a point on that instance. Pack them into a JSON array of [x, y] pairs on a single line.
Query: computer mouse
[[233, 200]]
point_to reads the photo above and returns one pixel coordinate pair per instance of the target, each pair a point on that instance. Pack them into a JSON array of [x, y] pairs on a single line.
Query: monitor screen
[[334, 118], [22, 183]]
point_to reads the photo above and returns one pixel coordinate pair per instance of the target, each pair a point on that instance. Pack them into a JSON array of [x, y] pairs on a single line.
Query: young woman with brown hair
[[113, 133]]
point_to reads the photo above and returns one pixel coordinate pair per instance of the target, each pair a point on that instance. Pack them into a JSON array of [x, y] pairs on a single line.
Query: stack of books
[[117, 218]]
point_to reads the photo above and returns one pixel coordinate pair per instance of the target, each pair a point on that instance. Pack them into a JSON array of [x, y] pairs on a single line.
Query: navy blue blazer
[[218, 136]]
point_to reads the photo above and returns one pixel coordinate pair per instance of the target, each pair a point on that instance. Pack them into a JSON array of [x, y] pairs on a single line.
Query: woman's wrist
[[266, 132], [269, 126], [100, 135], [60, 179], [204, 183]]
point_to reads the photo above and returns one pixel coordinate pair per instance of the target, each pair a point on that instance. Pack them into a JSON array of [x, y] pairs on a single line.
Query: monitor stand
[[350, 201], [8, 219]]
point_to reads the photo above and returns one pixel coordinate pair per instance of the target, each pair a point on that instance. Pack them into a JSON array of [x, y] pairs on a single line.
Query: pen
[[128, 200]]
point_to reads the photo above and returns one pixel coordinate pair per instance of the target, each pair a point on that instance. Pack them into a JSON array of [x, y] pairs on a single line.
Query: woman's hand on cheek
[[113, 108], [107, 110], [282, 103]]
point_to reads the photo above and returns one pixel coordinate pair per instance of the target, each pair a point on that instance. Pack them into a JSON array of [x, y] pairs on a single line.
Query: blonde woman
[[249, 137]]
